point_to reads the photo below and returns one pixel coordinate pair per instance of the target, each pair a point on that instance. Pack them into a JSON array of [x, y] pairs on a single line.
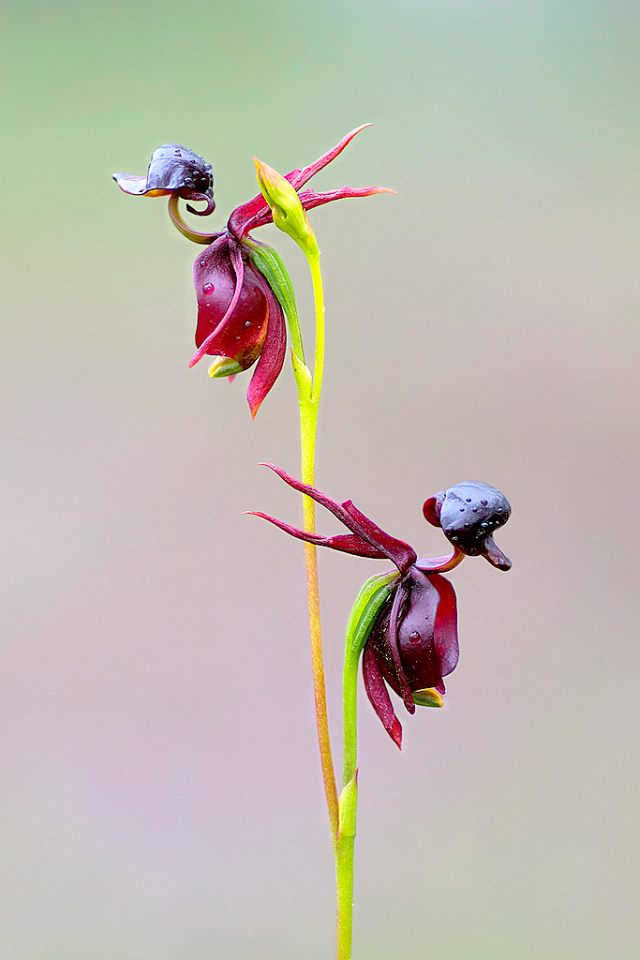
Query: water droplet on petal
[[208, 288], [247, 323]]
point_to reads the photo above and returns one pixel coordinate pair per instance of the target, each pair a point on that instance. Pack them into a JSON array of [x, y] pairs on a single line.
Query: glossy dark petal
[[424, 646], [393, 642], [173, 169], [272, 356], [446, 626], [416, 634], [469, 513], [233, 310], [378, 695]]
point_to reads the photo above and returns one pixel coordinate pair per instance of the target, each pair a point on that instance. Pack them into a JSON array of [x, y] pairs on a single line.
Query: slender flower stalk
[[309, 406], [290, 216]]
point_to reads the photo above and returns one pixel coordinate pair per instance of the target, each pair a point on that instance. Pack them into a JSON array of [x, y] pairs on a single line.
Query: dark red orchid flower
[[240, 319], [414, 641]]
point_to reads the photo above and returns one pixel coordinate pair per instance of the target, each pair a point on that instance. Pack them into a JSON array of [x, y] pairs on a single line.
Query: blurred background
[[160, 784]]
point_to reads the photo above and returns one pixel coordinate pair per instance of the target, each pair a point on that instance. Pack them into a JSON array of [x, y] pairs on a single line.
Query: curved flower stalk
[[413, 642], [241, 320]]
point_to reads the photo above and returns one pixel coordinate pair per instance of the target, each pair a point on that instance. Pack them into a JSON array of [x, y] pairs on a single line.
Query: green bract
[[365, 611]]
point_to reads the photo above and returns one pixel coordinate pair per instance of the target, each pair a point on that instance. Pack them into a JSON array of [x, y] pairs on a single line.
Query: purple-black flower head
[[173, 170], [469, 513]]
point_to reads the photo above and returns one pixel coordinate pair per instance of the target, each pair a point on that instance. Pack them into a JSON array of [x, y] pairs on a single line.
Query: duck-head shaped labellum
[[469, 513], [174, 170]]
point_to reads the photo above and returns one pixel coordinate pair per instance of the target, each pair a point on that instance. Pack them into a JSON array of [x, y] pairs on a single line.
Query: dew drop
[[484, 502], [203, 263], [468, 499], [247, 323], [208, 288]]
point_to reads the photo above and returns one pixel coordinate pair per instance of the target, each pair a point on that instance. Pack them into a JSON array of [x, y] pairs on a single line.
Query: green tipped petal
[[429, 697], [224, 367]]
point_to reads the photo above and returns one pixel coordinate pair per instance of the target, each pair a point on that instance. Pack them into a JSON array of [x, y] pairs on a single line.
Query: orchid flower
[[240, 317], [413, 644]]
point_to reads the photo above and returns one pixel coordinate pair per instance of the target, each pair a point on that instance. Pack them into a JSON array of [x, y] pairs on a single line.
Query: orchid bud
[[286, 208], [469, 513]]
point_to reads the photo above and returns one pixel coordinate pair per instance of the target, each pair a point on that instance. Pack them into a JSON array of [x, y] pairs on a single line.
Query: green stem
[[309, 393], [345, 841]]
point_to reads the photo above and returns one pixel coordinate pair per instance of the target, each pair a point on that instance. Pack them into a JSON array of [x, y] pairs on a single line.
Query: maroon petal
[[418, 653], [387, 546], [431, 509], [446, 626], [393, 644], [378, 695], [272, 356], [243, 218], [348, 543], [233, 311], [256, 213], [333, 506], [299, 177], [208, 289], [397, 551], [310, 199]]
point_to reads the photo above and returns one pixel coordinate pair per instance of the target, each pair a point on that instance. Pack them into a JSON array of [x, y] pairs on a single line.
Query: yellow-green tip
[[224, 367], [287, 210], [428, 697]]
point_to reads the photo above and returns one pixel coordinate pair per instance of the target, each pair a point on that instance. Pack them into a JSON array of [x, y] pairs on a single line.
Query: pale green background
[[160, 787]]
